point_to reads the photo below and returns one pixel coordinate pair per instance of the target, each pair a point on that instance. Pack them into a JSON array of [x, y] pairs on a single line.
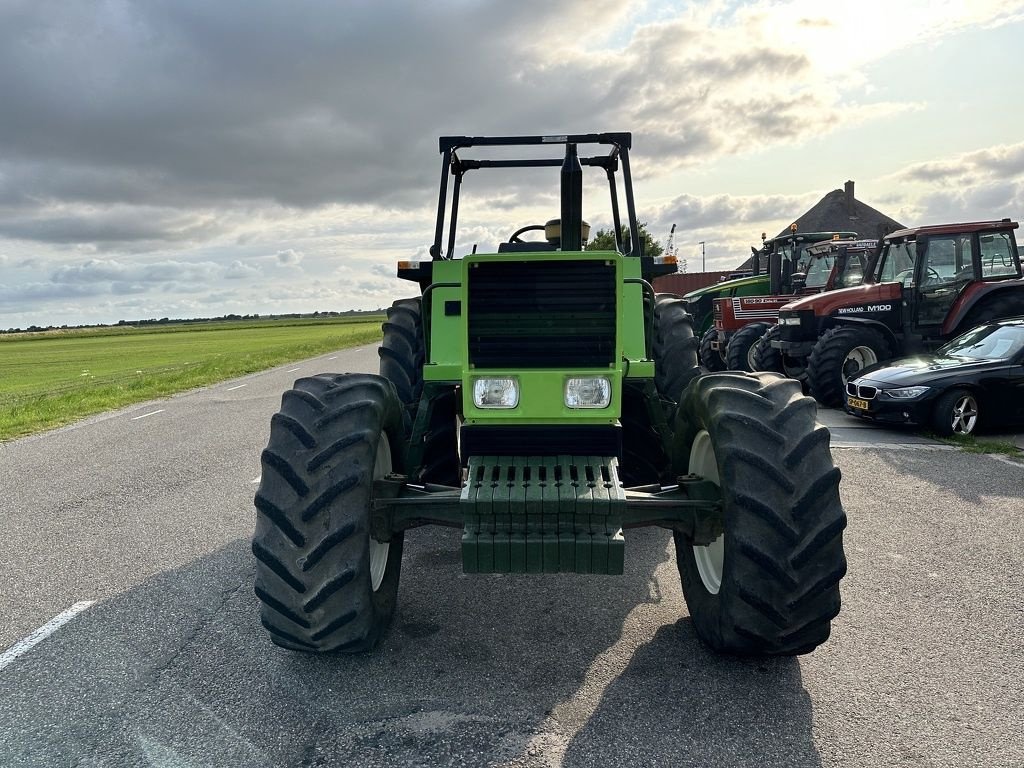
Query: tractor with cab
[[927, 285], [741, 321]]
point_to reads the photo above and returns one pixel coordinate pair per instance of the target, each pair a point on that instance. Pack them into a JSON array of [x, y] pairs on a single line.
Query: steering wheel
[[515, 236]]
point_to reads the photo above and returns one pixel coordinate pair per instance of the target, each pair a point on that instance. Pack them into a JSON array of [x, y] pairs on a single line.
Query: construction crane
[[670, 249]]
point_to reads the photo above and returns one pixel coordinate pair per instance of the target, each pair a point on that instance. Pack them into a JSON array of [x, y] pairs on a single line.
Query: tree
[[604, 240]]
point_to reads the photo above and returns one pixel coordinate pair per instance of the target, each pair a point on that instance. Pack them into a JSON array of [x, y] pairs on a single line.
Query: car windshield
[[987, 342]]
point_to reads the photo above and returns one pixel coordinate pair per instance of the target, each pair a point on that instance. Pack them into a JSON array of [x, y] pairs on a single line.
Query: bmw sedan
[[977, 378]]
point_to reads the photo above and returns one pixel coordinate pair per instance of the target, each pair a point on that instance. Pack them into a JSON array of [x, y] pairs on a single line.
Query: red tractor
[[926, 286], [741, 321]]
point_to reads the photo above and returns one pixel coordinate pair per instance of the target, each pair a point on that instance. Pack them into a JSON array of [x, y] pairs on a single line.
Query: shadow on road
[[178, 672], [679, 704], [969, 476]]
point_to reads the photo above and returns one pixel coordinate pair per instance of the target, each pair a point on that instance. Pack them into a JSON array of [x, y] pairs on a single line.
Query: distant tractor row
[[921, 287]]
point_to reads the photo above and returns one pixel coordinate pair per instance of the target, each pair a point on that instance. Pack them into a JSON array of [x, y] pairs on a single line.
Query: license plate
[[856, 402]]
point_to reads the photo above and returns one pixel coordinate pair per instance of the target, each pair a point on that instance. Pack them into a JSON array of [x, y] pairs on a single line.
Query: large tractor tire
[[401, 362], [766, 358], [769, 585], [739, 353], [710, 357], [644, 458], [1001, 305], [324, 583], [840, 354], [674, 348]]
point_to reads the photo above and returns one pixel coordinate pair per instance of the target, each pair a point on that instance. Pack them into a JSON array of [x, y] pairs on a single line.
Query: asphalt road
[[148, 512]]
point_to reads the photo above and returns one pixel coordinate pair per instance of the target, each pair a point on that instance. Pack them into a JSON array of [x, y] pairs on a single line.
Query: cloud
[[691, 212], [112, 271], [998, 162], [289, 257], [239, 271], [216, 140], [121, 225]]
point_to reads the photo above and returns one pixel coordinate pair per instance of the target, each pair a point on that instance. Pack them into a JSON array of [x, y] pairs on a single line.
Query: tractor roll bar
[[454, 166]]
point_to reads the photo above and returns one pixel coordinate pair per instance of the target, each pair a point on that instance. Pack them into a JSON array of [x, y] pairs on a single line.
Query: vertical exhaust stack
[[572, 201], [849, 199]]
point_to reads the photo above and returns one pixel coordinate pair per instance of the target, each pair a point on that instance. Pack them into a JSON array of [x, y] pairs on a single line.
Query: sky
[[182, 158]]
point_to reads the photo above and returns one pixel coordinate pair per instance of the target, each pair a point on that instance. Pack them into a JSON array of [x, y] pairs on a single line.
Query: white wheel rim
[[710, 560], [861, 357], [750, 356], [965, 415], [379, 549]]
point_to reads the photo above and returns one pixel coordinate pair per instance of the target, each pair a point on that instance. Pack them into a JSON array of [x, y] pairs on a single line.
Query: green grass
[[57, 377], [972, 444]]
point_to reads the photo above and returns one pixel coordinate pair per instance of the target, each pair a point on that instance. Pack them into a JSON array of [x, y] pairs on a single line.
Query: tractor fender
[[973, 295], [861, 322]]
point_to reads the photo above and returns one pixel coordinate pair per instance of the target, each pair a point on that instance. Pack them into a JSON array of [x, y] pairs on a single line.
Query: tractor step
[[543, 514]]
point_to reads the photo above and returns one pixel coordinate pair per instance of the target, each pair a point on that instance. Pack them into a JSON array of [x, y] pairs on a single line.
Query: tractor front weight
[[548, 514]]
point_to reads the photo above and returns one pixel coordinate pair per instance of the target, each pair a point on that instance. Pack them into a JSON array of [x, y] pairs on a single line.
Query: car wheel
[[956, 413]]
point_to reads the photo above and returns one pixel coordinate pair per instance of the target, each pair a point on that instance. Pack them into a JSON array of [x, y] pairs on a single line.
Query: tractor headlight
[[588, 392], [495, 393], [904, 393], [789, 321]]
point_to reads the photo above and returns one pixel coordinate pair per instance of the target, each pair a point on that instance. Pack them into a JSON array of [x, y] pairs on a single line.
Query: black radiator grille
[[542, 314]]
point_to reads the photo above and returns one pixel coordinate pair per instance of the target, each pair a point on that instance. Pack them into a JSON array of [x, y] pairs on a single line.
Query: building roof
[[839, 210]]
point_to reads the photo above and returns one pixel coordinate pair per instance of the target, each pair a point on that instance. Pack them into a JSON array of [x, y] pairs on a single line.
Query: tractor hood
[[727, 285], [858, 296]]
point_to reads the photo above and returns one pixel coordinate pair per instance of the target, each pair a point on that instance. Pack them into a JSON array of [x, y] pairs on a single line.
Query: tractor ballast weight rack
[[926, 286], [543, 399]]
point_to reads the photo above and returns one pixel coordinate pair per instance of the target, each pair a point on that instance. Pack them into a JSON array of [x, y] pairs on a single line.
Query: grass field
[[53, 378]]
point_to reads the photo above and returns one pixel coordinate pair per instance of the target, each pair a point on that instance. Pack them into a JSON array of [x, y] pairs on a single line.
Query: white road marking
[[151, 413], [1006, 460], [333, 358], [232, 389], [292, 370], [24, 646]]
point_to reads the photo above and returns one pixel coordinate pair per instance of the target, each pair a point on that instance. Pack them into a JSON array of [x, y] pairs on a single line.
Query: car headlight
[[904, 393], [588, 392], [495, 393]]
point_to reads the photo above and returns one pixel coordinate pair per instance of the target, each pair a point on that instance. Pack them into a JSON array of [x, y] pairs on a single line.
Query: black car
[[976, 377]]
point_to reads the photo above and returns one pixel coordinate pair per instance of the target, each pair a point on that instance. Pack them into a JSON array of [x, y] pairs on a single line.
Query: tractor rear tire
[[324, 583], [402, 356], [1002, 305], [644, 458], [401, 351], [710, 357], [674, 348], [738, 355], [768, 359], [840, 354], [769, 585]]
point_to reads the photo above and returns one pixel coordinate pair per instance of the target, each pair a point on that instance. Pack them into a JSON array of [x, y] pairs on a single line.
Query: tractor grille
[[542, 314]]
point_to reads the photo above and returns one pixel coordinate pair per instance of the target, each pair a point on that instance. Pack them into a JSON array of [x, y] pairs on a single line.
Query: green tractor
[[543, 399], [774, 267]]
